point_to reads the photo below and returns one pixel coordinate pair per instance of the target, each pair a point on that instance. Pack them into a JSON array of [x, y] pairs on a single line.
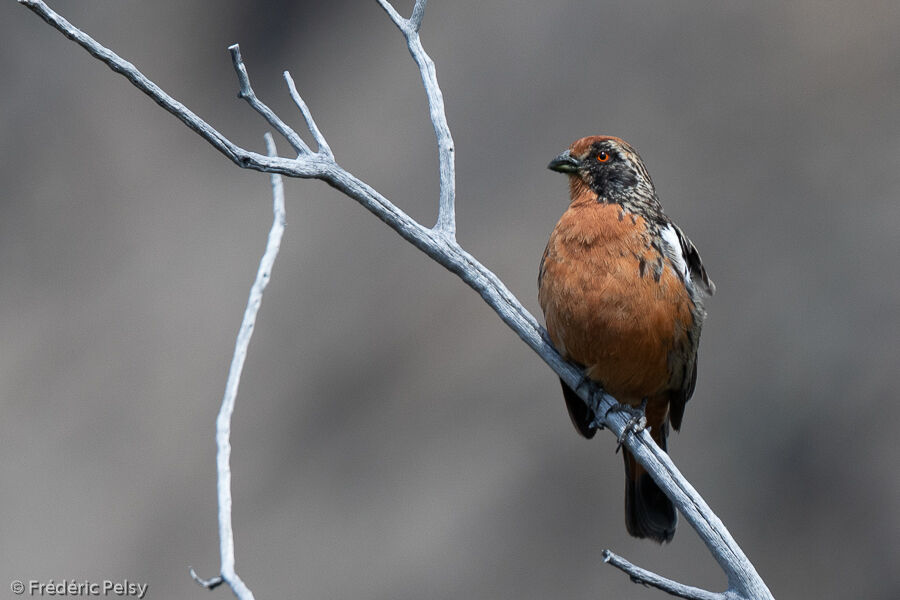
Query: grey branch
[[440, 244], [446, 222], [324, 148], [247, 94], [223, 422], [645, 577]]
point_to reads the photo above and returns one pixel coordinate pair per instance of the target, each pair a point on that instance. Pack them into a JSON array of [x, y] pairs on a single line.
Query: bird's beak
[[564, 163]]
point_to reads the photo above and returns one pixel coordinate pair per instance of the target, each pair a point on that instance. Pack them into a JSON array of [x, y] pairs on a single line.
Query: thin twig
[[645, 577], [398, 20], [439, 243], [259, 106], [302, 166], [307, 116], [223, 422], [210, 584], [417, 14], [446, 221]]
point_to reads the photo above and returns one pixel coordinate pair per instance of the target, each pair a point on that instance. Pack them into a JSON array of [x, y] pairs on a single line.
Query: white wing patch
[[675, 252]]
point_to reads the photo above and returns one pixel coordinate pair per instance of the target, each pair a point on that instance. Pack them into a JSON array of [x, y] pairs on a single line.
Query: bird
[[622, 289]]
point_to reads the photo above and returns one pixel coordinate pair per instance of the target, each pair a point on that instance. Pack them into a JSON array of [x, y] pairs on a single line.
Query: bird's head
[[607, 166]]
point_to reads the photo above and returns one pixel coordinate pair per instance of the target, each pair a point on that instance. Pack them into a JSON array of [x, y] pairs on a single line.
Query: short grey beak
[[564, 163]]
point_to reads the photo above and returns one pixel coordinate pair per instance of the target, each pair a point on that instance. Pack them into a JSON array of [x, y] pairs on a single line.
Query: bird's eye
[[602, 156]]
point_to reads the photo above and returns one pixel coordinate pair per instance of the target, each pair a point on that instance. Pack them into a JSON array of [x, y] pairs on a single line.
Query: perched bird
[[622, 290]]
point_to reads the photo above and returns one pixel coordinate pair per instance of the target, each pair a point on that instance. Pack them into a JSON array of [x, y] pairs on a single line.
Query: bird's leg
[[595, 395], [636, 424]]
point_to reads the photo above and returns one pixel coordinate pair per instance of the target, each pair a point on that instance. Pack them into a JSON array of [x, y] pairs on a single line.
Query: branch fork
[[439, 243]]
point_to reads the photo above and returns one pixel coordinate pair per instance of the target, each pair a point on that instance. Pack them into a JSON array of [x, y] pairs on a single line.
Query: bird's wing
[[686, 258]]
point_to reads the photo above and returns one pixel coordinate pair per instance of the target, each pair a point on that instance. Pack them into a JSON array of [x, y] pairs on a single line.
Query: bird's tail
[[648, 511]]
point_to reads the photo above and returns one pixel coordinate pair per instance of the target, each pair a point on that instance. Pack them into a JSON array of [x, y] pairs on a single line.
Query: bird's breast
[[614, 303]]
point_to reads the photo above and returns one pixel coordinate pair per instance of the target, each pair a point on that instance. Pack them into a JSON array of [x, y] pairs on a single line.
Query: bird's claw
[[636, 423]]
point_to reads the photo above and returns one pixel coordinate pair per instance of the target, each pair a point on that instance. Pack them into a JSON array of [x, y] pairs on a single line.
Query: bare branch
[[210, 584], [440, 244], [645, 577], [418, 12], [223, 422], [446, 221], [307, 116], [125, 68], [248, 94], [302, 166], [399, 21]]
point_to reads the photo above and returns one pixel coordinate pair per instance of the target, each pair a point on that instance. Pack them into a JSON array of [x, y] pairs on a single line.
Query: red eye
[[602, 156]]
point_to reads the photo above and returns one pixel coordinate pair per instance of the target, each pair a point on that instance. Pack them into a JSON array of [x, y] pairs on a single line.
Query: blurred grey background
[[392, 438]]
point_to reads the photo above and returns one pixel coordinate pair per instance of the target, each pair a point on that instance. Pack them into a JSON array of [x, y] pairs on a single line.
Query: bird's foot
[[595, 395], [637, 421]]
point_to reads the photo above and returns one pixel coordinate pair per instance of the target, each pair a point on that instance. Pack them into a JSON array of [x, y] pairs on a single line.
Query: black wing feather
[[694, 264]]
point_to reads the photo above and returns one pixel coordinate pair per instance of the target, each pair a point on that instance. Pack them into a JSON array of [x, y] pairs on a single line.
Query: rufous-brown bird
[[622, 290]]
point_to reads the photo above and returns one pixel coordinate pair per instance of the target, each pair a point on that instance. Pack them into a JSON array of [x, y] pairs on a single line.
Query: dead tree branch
[[439, 243], [227, 573]]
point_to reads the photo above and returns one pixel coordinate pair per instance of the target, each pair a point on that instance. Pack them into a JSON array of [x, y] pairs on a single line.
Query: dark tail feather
[[648, 511], [581, 416]]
